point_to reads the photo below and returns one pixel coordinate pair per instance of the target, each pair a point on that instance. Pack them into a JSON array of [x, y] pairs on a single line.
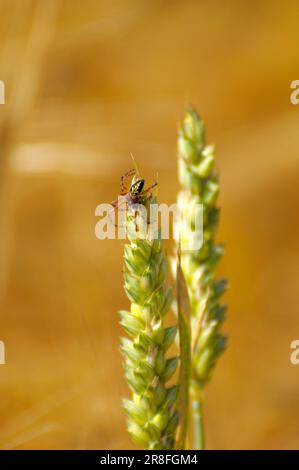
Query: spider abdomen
[[137, 187]]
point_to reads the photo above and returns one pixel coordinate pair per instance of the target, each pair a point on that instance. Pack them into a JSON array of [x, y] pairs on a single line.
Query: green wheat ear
[[152, 415], [201, 186]]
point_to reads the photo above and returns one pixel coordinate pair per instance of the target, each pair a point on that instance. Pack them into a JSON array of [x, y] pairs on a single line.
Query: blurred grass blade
[[183, 308]]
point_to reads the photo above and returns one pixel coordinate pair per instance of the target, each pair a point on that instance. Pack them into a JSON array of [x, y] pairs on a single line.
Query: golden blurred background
[[86, 83]]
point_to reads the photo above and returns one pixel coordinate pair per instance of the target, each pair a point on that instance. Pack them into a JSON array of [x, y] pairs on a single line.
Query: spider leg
[[123, 178], [119, 201], [149, 188], [116, 205]]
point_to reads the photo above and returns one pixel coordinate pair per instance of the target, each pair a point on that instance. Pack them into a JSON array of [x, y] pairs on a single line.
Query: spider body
[[136, 188], [136, 194]]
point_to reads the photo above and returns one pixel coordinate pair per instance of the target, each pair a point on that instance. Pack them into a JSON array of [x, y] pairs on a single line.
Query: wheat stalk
[[201, 186], [152, 415]]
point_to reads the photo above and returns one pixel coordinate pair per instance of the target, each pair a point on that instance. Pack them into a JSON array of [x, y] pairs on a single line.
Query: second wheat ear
[[200, 185]]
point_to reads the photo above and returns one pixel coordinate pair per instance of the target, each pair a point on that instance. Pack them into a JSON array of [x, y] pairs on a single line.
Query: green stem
[[199, 436]]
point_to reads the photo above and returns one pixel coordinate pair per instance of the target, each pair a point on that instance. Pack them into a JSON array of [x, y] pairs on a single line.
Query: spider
[[136, 194]]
